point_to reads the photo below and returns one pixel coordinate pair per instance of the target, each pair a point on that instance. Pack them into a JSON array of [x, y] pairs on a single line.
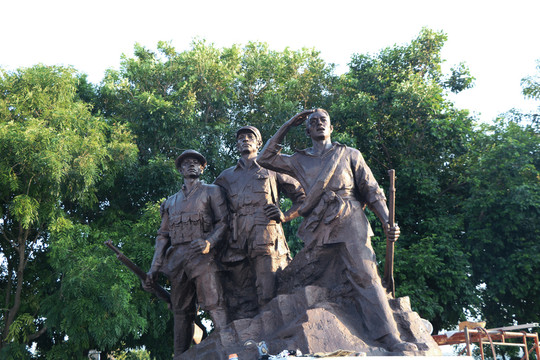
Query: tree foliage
[[172, 101], [393, 107], [54, 157], [197, 98], [503, 220], [531, 84], [84, 163]]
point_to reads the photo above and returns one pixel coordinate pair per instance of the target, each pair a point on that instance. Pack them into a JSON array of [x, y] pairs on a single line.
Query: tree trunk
[[12, 312]]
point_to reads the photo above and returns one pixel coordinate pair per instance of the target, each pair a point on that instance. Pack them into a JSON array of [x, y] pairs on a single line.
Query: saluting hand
[[299, 118]]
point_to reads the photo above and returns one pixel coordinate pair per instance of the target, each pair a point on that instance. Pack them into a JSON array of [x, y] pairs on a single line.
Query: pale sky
[[498, 40]]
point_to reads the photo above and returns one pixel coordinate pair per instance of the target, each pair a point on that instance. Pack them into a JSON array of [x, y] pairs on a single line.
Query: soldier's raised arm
[[270, 156]]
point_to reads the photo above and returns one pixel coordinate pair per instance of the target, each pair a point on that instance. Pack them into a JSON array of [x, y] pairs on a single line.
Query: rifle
[[157, 289], [389, 260]]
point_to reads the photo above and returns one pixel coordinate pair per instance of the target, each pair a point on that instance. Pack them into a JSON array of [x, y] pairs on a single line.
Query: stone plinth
[[307, 321]]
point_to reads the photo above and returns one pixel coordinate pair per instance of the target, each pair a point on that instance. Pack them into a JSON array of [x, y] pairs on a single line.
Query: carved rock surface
[[307, 321]]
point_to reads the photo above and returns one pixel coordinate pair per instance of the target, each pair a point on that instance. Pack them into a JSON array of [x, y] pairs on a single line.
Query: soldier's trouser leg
[[183, 332], [265, 271], [239, 290], [210, 296], [184, 312], [362, 273]]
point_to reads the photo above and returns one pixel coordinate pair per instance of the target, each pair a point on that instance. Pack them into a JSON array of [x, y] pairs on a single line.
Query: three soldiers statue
[[221, 245]]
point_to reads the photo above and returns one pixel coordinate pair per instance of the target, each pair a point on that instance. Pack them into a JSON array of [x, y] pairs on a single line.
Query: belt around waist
[[181, 242], [250, 210]]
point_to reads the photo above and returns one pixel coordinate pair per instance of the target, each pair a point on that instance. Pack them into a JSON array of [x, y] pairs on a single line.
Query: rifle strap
[[317, 190]]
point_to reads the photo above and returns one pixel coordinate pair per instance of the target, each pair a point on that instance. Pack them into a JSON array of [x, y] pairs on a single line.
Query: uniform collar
[[196, 186], [335, 144], [241, 164]]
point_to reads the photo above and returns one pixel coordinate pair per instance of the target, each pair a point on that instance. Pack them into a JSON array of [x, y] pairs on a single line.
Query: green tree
[[197, 98], [531, 84], [101, 305], [393, 107], [271, 86], [84, 163], [175, 100], [503, 219], [55, 156], [172, 101]]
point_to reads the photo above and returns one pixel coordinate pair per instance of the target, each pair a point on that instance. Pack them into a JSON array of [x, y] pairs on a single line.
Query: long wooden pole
[[389, 260]]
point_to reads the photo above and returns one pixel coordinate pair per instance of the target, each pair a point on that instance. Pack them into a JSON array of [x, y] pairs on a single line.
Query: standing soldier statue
[[256, 245], [335, 230], [193, 222]]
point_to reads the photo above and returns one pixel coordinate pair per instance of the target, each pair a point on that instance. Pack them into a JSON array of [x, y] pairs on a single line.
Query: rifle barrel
[[158, 290]]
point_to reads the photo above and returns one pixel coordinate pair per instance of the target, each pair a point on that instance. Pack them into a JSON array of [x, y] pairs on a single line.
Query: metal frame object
[[498, 336]]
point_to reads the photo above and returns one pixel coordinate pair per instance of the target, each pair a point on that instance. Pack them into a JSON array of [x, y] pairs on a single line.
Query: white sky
[[499, 40]]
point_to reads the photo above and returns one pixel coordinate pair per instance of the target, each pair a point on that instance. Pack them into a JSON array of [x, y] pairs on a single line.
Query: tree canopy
[[393, 107], [83, 163], [56, 156]]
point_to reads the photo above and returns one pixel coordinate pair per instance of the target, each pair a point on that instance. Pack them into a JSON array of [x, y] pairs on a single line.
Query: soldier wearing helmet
[[193, 222]]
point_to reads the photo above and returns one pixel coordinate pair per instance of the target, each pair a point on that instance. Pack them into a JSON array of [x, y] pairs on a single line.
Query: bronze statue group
[[222, 245]]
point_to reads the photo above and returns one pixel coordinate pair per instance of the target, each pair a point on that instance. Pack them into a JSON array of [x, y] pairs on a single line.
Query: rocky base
[[307, 321]]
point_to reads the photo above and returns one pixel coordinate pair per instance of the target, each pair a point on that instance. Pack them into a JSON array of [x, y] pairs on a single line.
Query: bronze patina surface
[[329, 297]]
